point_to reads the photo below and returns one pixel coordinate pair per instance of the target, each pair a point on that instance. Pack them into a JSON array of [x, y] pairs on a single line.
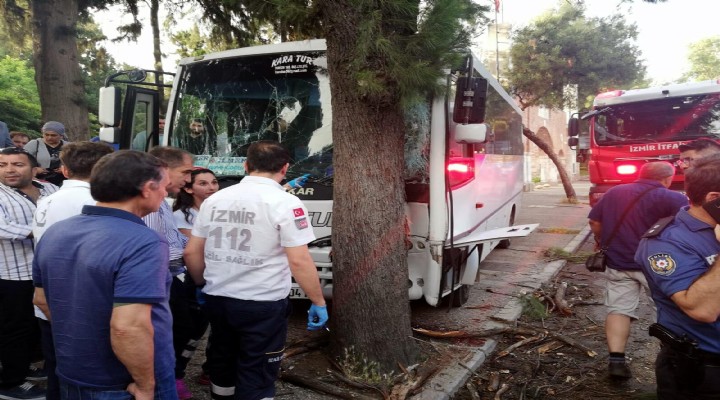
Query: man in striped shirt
[[186, 330], [19, 194]]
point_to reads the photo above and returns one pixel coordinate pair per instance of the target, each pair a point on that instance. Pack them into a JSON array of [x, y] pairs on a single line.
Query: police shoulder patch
[[662, 264]]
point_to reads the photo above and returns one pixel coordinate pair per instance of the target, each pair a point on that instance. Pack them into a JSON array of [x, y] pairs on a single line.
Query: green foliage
[[532, 307], [555, 253], [704, 58], [536, 179], [19, 99], [564, 47], [360, 369], [401, 50]]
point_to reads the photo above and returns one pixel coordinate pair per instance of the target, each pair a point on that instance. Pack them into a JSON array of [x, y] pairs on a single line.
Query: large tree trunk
[[370, 308], [157, 53], [57, 69], [564, 178]]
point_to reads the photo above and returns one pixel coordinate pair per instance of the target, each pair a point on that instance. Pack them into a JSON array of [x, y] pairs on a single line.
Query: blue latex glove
[[317, 317], [298, 182]]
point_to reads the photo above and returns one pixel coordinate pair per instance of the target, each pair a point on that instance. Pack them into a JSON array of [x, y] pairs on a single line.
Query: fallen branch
[[421, 379], [494, 382], [590, 352], [560, 301], [463, 334], [358, 385], [521, 343], [439, 334], [314, 384], [505, 387]]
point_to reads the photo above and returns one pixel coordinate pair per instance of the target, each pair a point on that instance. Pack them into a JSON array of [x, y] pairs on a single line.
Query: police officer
[[246, 242], [680, 262]]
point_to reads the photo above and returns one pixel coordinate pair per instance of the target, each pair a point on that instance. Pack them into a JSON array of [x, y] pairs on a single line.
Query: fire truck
[[628, 128]]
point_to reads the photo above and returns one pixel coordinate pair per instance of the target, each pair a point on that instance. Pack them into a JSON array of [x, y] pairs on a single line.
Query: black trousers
[[248, 342], [18, 330], [676, 380], [189, 323], [48, 349]]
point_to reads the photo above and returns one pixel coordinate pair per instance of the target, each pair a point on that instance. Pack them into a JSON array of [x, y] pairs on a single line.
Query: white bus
[[463, 179]]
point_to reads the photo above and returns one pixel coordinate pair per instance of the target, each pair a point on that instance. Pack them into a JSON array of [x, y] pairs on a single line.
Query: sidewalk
[[506, 273]]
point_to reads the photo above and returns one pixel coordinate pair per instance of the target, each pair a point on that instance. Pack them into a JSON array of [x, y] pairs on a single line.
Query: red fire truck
[[628, 128]]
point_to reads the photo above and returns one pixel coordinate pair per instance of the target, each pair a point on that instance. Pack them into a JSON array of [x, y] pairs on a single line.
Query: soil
[[566, 372], [562, 372]]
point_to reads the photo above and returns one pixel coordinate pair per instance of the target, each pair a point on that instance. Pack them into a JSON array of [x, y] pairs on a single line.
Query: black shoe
[[26, 391], [619, 370], [36, 374]]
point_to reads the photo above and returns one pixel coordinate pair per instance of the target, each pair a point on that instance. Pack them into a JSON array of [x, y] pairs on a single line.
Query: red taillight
[[460, 171], [626, 169], [612, 93]]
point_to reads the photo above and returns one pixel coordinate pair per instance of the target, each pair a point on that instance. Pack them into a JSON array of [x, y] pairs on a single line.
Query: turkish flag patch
[[298, 212]]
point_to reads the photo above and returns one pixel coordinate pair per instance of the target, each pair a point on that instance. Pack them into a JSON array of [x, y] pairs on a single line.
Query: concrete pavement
[[504, 274]]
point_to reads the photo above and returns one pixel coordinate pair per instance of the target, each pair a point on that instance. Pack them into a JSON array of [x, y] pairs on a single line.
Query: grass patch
[[360, 369], [564, 231], [555, 253]]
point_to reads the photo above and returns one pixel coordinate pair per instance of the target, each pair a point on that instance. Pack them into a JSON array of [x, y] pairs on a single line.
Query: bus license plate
[[297, 293]]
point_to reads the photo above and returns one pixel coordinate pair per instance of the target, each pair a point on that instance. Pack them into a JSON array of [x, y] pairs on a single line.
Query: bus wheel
[[505, 243], [458, 298]]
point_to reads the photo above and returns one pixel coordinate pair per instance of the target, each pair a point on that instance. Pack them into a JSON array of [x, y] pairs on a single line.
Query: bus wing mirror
[[573, 142], [471, 133], [573, 127], [109, 135], [109, 106], [470, 98]]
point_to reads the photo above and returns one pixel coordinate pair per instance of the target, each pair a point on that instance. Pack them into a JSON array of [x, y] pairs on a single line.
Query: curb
[[447, 382]]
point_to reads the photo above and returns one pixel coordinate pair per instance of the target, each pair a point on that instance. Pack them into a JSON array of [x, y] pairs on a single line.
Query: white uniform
[[63, 204], [246, 227]]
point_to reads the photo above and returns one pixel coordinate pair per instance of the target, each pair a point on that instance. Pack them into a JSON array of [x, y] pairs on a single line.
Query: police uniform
[[672, 260], [246, 229]]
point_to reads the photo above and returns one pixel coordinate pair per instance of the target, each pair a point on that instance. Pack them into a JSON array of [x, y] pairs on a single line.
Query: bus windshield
[[223, 105], [664, 120]]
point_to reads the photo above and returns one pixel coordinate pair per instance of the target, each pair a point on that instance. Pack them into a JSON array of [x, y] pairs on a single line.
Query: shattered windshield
[[224, 105], [664, 120]]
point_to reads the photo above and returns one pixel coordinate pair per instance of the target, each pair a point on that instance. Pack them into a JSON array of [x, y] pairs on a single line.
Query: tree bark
[[564, 178], [57, 69], [371, 309], [157, 53]]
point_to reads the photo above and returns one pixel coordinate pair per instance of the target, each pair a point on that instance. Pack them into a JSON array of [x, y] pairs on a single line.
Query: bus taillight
[[460, 171]]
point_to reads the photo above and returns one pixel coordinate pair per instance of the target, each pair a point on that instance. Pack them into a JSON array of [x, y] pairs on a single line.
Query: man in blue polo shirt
[[618, 221], [682, 268], [102, 280]]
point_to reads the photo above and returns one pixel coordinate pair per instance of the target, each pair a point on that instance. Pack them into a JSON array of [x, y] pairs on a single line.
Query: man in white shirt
[[78, 159], [246, 242]]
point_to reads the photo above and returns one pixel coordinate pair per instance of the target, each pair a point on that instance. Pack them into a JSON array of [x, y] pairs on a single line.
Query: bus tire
[[505, 243], [458, 298]]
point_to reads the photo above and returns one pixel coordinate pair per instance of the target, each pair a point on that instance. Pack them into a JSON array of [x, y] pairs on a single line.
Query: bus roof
[[320, 45], [657, 92], [284, 47]]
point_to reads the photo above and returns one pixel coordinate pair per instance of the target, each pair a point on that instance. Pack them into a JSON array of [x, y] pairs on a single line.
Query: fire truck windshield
[[663, 120], [223, 105]]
